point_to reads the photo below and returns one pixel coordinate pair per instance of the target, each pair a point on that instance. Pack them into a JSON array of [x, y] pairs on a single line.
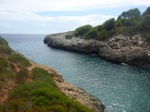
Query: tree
[[145, 24], [146, 12], [118, 23], [132, 12], [92, 34], [82, 30], [102, 35], [128, 23], [109, 24], [99, 27]]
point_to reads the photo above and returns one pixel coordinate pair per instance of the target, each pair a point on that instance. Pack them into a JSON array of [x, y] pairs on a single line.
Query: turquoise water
[[121, 88]]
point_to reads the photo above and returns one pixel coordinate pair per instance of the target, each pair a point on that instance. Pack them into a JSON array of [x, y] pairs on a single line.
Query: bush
[[4, 48], [82, 30], [128, 23], [99, 27], [92, 34], [3, 64], [118, 23], [6, 74], [102, 35], [147, 12], [67, 36], [40, 96], [42, 75], [109, 24], [145, 23], [3, 41], [19, 59], [21, 76]]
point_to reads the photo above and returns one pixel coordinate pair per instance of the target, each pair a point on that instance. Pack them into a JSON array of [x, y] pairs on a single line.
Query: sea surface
[[122, 88]]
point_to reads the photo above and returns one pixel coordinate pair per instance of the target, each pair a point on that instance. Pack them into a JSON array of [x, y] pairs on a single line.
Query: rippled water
[[121, 88]]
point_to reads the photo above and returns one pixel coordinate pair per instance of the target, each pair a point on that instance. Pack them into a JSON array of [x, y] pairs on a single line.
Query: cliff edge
[[131, 50]]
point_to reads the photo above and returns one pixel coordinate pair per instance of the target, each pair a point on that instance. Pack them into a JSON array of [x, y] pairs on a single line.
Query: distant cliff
[[121, 48]]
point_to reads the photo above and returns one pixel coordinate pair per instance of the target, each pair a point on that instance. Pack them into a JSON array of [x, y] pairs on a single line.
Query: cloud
[[6, 25], [25, 12], [66, 5], [38, 19]]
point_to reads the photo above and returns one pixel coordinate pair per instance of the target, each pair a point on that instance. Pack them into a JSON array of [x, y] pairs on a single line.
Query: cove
[[122, 88]]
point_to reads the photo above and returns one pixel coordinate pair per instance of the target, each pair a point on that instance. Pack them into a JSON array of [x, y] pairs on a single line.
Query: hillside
[[129, 23], [26, 86]]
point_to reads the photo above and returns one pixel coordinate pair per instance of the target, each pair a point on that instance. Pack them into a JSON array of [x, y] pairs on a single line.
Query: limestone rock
[[121, 48]]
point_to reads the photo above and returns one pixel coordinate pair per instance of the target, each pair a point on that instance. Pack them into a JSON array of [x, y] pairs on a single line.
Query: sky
[[54, 16]]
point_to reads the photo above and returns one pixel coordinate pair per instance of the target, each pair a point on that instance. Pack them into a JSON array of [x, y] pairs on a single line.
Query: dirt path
[[9, 85], [70, 90]]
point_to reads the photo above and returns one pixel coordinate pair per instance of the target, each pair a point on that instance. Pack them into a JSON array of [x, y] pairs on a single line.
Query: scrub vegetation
[[21, 93], [128, 22]]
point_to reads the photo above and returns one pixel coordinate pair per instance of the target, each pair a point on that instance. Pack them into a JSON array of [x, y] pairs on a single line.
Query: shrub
[[147, 12], [4, 48], [19, 59], [145, 23], [67, 36], [40, 96], [102, 35], [3, 41], [6, 74], [109, 24], [99, 27], [92, 34], [3, 64], [128, 23], [82, 30], [41, 74], [118, 23], [21, 76]]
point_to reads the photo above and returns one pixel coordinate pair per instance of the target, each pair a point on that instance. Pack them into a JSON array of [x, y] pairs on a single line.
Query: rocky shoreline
[[72, 91], [131, 50]]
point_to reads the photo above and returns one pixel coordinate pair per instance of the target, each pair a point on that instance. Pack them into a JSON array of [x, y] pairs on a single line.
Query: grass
[[5, 72], [19, 59]]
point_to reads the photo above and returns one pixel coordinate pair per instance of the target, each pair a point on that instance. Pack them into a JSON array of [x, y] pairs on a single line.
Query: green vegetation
[[42, 95], [19, 59], [83, 30], [68, 36], [128, 22], [39, 94], [4, 48], [21, 76]]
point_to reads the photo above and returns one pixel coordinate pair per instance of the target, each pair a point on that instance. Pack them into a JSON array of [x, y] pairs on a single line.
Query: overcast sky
[[52, 16]]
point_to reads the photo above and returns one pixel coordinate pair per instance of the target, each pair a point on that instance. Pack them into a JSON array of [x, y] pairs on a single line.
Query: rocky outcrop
[[121, 49], [124, 49], [74, 44]]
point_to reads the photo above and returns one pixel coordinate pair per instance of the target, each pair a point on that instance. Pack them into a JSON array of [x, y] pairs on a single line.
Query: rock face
[[74, 44], [121, 49], [124, 49]]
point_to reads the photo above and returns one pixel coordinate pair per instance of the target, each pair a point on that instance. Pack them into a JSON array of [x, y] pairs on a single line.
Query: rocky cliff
[[121, 49]]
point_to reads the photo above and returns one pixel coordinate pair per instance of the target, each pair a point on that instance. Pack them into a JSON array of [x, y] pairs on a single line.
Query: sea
[[121, 87]]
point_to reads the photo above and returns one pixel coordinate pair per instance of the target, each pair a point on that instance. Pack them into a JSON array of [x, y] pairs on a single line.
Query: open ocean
[[122, 88]]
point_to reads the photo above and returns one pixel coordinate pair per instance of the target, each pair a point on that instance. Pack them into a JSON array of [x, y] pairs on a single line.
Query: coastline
[[132, 50], [72, 91]]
